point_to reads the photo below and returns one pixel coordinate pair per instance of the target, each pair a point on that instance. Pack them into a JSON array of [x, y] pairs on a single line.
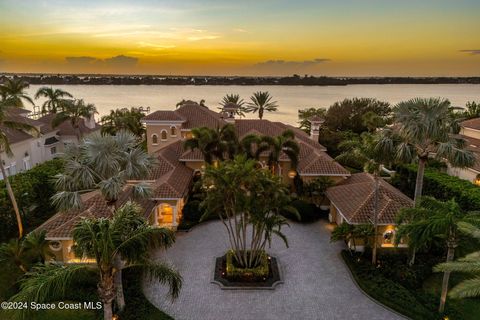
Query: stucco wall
[[156, 129], [470, 132]]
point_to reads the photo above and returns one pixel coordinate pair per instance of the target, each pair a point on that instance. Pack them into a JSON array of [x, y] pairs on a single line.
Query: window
[[173, 131], [163, 135], [13, 168], [53, 150], [154, 139], [26, 163]]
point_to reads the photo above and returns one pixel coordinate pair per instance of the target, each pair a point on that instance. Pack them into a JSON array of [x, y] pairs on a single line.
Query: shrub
[[439, 185], [257, 273], [308, 211]]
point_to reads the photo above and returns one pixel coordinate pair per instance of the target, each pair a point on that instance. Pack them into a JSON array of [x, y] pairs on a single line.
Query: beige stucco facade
[[160, 134]]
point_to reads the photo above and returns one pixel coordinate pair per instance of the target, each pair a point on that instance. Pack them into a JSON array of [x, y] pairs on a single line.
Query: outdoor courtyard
[[317, 284]]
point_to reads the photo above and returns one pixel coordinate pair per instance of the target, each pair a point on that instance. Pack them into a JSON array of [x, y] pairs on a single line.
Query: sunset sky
[[261, 37]]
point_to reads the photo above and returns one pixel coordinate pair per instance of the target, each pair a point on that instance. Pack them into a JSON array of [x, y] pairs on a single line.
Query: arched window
[[173, 131], [163, 135], [154, 139]]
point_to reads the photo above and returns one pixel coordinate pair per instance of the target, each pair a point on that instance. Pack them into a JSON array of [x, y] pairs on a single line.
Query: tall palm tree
[[123, 119], [275, 146], [472, 110], [234, 98], [425, 128], [214, 143], [103, 163], [55, 99], [74, 111], [8, 121], [364, 150], [470, 264], [261, 103], [14, 91], [126, 235], [434, 219]]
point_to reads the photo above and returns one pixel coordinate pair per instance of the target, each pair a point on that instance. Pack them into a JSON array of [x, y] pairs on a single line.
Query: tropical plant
[[305, 114], [245, 197], [275, 146], [349, 233], [123, 119], [55, 99], [365, 152], [74, 111], [373, 121], [261, 102], [12, 254], [425, 128], [8, 122], [214, 143], [470, 264], [103, 163], [472, 110], [234, 98], [13, 90], [434, 219], [316, 189], [126, 235]]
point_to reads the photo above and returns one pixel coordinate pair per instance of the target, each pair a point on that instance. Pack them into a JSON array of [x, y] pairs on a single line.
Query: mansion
[[172, 177]]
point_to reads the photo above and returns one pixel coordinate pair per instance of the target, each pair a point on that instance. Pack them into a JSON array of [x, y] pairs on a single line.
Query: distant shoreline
[[294, 80]]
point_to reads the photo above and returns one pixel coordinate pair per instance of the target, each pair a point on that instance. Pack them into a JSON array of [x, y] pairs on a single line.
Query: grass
[[469, 308]]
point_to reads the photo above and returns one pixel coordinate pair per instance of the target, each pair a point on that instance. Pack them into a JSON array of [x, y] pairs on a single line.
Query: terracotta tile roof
[[355, 198], [474, 146], [15, 136], [61, 225], [472, 123], [164, 115], [65, 128], [198, 116]]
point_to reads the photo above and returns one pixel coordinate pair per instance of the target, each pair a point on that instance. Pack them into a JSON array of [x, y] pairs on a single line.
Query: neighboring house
[[171, 179], [352, 201], [35, 147], [470, 131]]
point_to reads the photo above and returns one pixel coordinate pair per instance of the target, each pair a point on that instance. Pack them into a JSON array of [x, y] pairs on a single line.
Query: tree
[[275, 146], [316, 189], [248, 201], [472, 110], [55, 99], [13, 90], [305, 114], [214, 143], [373, 121], [74, 111], [123, 119], [261, 102], [348, 115], [425, 128], [103, 163], [8, 122], [126, 235], [365, 152], [349, 233], [435, 219], [470, 264], [234, 98]]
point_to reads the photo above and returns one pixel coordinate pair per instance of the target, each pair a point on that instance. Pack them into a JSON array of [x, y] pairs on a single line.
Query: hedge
[[33, 190], [439, 185]]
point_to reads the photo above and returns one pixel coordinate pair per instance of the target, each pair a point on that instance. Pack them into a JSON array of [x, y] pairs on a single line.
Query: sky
[[242, 37]]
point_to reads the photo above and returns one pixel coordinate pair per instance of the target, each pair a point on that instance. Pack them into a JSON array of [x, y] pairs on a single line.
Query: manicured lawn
[[469, 308]]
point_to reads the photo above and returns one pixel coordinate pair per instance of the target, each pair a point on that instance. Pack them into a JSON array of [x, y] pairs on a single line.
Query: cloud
[[285, 67], [80, 61], [284, 63], [471, 51], [155, 46], [240, 30], [121, 60]]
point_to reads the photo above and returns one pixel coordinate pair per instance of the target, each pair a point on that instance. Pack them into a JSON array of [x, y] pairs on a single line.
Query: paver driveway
[[316, 282]]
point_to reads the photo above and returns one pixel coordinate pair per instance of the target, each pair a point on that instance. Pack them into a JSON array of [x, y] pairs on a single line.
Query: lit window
[[154, 139], [173, 131], [388, 236], [163, 135]]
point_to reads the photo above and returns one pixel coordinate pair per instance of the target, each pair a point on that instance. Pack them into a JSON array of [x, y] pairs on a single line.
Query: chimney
[[90, 121], [229, 111], [315, 123]]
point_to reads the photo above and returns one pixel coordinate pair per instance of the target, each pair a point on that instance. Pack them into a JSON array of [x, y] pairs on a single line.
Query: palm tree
[[472, 110], [425, 128], [123, 119], [275, 146], [126, 235], [103, 163], [14, 91], [55, 99], [22, 253], [365, 152], [234, 98], [469, 264], [261, 102], [214, 143], [74, 111], [8, 121], [435, 219]]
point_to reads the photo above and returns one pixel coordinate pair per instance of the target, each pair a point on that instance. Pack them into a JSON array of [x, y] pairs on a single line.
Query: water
[[289, 98]]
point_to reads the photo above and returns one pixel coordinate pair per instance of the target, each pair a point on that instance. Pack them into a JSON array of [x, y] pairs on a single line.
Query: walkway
[[317, 284]]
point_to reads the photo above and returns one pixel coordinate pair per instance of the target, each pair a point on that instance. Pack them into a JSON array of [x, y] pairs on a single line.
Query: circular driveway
[[316, 285]]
